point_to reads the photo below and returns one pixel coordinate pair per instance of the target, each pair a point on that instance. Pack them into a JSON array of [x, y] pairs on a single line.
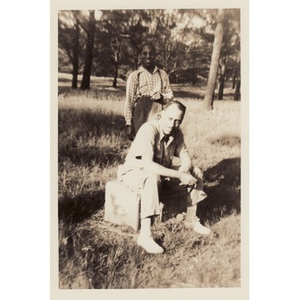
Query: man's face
[[170, 118], [148, 56]]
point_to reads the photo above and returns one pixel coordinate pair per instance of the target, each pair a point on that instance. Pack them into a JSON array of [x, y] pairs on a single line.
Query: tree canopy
[[108, 42]]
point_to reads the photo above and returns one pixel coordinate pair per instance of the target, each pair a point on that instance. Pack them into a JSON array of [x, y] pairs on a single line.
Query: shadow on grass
[[79, 133], [77, 209], [91, 155], [86, 138], [89, 122], [188, 94], [222, 185], [173, 199]]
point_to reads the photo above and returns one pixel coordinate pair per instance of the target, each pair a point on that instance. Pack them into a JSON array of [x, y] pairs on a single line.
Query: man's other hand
[[187, 179]]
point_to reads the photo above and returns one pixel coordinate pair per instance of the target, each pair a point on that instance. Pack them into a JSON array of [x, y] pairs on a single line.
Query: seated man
[[149, 162]]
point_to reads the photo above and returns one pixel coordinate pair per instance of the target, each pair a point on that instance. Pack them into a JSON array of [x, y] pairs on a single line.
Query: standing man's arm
[[131, 89], [166, 89]]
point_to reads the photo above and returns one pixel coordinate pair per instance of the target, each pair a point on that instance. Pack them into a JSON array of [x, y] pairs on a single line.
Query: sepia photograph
[[135, 165], [149, 149]]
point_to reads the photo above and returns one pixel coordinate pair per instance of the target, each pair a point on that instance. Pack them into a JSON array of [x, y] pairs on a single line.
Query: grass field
[[91, 144]]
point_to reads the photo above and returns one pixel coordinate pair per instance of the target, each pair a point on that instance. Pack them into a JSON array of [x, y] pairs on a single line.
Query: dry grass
[[93, 254]]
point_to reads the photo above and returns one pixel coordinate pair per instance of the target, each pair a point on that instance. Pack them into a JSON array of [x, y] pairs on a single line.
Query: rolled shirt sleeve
[[145, 142], [142, 146], [131, 89], [166, 88]]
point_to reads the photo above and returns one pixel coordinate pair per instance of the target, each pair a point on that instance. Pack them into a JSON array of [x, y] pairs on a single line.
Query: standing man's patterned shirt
[[142, 83]]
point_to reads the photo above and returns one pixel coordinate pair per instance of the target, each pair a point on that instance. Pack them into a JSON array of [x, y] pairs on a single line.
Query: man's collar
[[142, 69]]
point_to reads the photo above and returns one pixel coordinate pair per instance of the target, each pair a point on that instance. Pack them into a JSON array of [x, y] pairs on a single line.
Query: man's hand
[[156, 96], [183, 169], [187, 179], [129, 131]]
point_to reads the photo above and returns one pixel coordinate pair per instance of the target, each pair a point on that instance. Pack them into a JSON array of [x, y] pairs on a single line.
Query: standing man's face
[[148, 57]]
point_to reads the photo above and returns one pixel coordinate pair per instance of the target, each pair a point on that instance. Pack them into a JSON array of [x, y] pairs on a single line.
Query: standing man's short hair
[[148, 44]]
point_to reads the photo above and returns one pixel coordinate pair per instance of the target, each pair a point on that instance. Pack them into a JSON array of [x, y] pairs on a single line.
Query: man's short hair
[[179, 105], [148, 44]]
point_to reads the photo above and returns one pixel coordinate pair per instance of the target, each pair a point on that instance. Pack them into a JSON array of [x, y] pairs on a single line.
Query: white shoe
[[149, 245], [197, 227]]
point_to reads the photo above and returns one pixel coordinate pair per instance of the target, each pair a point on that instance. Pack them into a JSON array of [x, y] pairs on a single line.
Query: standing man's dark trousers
[[145, 110]]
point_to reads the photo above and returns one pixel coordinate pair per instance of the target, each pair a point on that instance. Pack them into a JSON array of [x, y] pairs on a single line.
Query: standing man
[[149, 163], [148, 89]]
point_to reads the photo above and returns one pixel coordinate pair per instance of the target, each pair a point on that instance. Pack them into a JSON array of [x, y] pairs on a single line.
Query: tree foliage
[[70, 43], [110, 45]]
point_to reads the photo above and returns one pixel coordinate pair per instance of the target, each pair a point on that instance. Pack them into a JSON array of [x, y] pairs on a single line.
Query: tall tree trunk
[[234, 78], [75, 76], [235, 71], [214, 94], [85, 83], [221, 82], [237, 93], [116, 74], [221, 87], [75, 61], [116, 56], [208, 100]]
